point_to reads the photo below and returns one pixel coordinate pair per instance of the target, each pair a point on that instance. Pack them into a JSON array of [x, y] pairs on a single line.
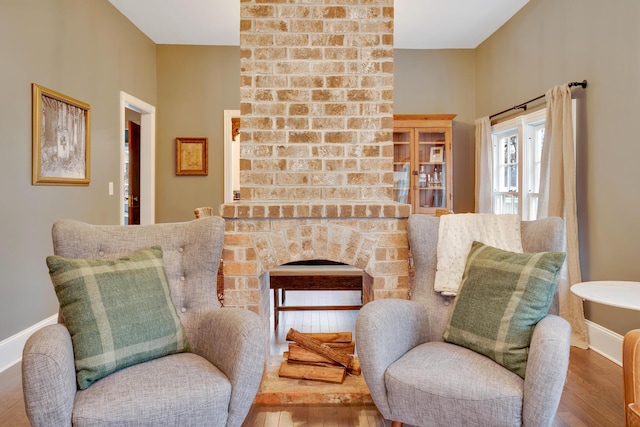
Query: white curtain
[[484, 165], [558, 198]]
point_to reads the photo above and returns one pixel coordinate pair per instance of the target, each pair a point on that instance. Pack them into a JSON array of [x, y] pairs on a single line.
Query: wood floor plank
[[272, 418], [594, 380], [316, 418], [331, 416], [12, 411], [299, 415], [256, 417]]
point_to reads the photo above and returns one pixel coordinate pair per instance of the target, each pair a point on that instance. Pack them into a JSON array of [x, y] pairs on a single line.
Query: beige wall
[[88, 51], [550, 42], [195, 85]]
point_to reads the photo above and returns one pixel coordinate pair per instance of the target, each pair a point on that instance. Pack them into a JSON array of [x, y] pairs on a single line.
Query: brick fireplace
[[316, 168]]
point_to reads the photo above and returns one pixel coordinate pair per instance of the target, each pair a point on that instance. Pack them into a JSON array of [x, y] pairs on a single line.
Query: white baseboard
[[11, 348], [605, 342]]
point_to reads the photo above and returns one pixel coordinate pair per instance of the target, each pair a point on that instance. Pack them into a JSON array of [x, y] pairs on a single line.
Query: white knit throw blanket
[[455, 236]]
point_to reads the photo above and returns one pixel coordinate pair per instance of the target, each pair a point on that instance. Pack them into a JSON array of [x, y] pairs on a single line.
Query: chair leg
[[396, 424]]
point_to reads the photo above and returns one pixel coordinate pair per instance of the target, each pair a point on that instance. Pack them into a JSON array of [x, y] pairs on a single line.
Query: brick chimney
[[316, 100], [316, 146]]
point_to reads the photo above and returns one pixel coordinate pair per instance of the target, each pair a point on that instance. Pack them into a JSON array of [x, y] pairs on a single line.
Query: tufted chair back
[[191, 253]]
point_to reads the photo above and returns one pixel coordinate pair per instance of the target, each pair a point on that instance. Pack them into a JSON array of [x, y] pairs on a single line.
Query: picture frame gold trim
[[61, 139], [191, 156]]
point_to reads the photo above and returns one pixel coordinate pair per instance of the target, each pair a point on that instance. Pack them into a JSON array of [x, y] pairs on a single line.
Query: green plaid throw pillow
[[503, 295], [119, 311]]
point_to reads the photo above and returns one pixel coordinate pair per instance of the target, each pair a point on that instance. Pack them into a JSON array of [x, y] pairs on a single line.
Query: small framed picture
[[437, 155], [191, 156]]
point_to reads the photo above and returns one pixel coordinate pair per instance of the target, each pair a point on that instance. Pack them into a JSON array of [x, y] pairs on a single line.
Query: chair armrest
[[234, 340], [49, 377], [546, 370], [631, 374], [385, 330]]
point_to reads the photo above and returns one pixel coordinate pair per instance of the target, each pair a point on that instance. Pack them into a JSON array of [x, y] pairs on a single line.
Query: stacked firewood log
[[326, 357]]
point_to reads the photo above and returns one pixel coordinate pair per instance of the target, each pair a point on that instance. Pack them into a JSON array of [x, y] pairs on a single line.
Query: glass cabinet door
[[402, 165], [422, 161], [432, 173]]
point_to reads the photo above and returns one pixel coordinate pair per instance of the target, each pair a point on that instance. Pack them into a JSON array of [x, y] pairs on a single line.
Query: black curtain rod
[[523, 106]]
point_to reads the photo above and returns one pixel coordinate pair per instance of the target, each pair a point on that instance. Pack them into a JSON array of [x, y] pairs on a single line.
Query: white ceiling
[[419, 24]]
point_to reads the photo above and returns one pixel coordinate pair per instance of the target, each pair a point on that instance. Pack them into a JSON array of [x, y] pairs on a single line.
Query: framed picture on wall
[[191, 156], [60, 139]]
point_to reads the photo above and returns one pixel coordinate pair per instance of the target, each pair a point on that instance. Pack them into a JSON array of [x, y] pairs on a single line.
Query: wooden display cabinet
[[423, 161]]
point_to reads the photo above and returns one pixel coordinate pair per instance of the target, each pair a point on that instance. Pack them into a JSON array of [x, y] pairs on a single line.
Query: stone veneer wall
[[316, 147]]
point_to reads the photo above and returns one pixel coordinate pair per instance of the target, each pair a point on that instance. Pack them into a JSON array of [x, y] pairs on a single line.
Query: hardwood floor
[[12, 411], [593, 393]]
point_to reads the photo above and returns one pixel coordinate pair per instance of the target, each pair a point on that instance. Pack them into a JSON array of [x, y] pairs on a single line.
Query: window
[[517, 151]]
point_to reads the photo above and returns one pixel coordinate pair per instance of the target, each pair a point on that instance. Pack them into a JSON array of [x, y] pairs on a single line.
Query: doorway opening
[[231, 156], [131, 202], [131, 108]]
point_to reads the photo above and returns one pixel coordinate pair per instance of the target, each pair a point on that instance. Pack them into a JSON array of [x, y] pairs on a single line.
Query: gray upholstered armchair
[[213, 384], [418, 379]]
